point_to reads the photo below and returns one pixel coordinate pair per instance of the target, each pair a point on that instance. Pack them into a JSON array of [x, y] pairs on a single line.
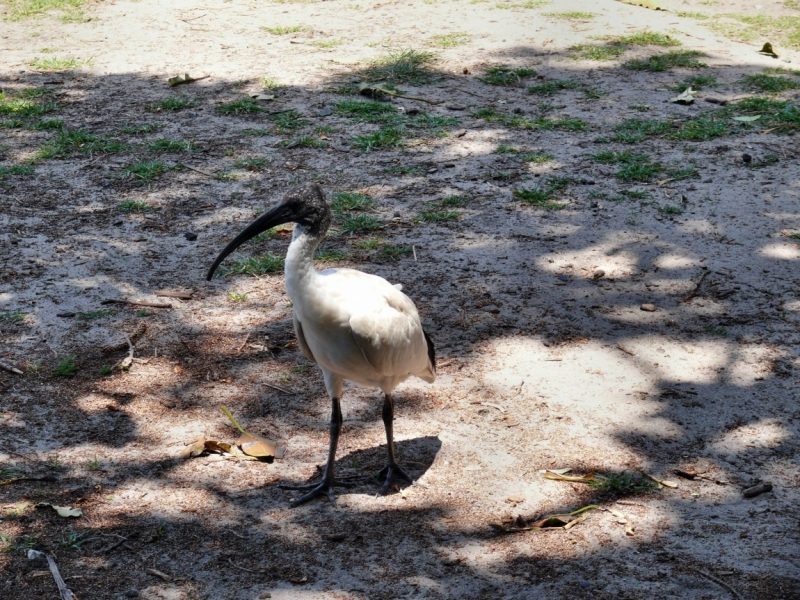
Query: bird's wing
[[301, 339], [386, 328]]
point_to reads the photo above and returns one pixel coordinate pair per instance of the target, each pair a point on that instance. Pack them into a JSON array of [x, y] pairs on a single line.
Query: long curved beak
[[277, 216]]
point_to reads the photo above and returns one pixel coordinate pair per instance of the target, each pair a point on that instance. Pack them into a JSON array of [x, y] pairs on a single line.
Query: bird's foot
[[394, 477], [321, 488]]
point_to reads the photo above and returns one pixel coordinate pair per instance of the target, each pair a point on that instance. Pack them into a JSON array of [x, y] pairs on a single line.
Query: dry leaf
[[178, 80], [556, 471], [195, 448], [63, 511], [579, 479], [767, 49], [685, 98], [254, 445], [257, 96], [747, 119]]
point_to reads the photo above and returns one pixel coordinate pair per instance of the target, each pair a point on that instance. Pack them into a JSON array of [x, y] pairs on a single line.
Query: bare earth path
[[533, 211]]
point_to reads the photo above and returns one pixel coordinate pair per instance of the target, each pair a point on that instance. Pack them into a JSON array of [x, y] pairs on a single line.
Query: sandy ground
[[547, 360]]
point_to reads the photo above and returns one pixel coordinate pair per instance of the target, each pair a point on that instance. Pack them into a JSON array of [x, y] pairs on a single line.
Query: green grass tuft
[[287, 121], [571, 16], [504, 75], [770, 83], [361, 223], [15, 316], [368, 112], [552, 87], [173, 103], [406, 66], [386, 137], [250, 164], [134, 206], [542, 195], [639, 171], [284, 29], [15, 171], [351, 201], [664, 62], [633, 131], [242, 106], [598, 52], [539, 157], [66, 368], [52, 63], [438, 216], [450, 40], [255, 265], [140, 129], [144, 171], [648, 38]]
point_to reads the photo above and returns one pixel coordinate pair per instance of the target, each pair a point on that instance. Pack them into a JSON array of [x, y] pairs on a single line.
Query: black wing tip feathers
[[431, 349]]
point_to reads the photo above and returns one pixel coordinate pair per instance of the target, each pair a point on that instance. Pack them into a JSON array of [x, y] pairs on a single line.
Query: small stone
[[117, 223], [563, 278], [190, 235], [585, 584], [598, 274], [397, 213], [66, 315], [648, 307], [326, 112], [132, 593], [455, 107], [746, 158]]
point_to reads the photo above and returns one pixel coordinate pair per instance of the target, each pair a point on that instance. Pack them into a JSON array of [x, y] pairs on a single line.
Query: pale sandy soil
[[542, 366]]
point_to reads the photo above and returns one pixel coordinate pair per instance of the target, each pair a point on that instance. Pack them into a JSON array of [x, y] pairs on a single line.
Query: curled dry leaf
[[254, 445], [63, 511], [555, 476], [559, 521], [767, 50], [685, 98], [195, 448]]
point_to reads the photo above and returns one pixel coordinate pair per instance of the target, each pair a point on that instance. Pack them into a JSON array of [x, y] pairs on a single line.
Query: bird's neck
[[299, 267]]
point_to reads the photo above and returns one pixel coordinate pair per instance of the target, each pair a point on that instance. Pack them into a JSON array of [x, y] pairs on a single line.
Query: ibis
[[355, 326]]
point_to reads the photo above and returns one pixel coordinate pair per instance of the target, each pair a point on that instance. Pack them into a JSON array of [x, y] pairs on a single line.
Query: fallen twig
[[247, 337], [718, 581], [63, 590], [696, 289], [625, 350], [196, 170], [159, 574], [280, 389], [48, 478], [113, 546], [9, 367], [148, 303], [235, 566]]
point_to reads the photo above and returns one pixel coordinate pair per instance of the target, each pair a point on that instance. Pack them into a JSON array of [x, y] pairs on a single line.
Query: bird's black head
[[304, 204]]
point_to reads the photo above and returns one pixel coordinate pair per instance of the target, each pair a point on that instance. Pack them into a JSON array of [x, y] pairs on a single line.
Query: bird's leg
[[324, 487], [392, 472]]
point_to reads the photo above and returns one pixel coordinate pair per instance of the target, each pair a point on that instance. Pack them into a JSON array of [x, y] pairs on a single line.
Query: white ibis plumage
[[355, 326]]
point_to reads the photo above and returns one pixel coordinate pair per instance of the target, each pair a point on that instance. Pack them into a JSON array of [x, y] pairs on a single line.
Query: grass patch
[[287, 121], [15, 316], [648, 38], [783, 30], [694, 15], [622, 484], [771, 83], [173, 103], [237, 297], [523, 122], [250, 164], [66, 368], [134, 206], [284, 29], [539, 157], [145, 171], [24, 9], [542, 195], [669, 60], [15, 171], [305, 141], [363, 223], [327, 43], [386, 137], [406, 66], [165, 145], [47, 125], [598, 52], [242, 106], [633, 131], [70, 140], [626, 157], [140, 129], [571, 16], [450, 40], [504, 75], [438, 216], [23, 108], [52, 63], [453, 201], [704, 127], [639, 171], [323, 255], [255, 265], [351, 201], [552, 87]]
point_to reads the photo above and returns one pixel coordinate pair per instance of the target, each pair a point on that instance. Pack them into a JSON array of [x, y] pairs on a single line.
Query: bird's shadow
[[415, 456]]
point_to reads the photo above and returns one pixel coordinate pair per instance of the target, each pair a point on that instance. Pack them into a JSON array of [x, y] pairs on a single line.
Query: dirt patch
[[610, 278]]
